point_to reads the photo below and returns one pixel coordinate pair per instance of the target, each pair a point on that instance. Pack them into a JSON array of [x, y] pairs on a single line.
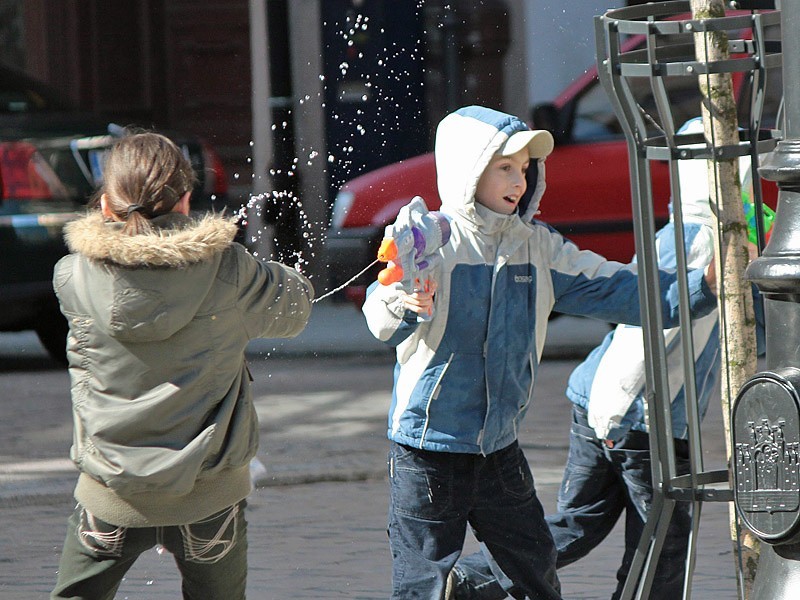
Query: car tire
[[51, 328]]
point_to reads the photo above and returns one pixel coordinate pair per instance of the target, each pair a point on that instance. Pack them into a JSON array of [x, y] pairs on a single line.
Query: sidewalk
[[317, 520]]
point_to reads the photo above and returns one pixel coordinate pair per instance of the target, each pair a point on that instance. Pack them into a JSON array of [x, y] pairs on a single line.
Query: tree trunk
[[737, 320]]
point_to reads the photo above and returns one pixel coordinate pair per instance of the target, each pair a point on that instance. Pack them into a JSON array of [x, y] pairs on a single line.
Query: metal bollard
[[766, 414]]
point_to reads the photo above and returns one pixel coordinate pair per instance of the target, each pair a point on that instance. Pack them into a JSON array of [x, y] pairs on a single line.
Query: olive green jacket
[[164, 424]]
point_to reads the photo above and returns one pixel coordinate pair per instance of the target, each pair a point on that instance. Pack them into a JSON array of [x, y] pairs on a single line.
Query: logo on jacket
[[523, 278]]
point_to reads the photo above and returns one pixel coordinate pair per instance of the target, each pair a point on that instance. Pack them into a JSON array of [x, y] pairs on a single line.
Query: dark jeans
[[599, 484], [211, 555], [435, 495]]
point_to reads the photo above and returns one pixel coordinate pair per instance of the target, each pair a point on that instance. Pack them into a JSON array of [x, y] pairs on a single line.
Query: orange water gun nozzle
[[387, 253], [388, 250], [391, 274]]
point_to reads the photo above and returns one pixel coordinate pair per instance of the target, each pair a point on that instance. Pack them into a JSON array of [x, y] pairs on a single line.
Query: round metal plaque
[[766, 455]]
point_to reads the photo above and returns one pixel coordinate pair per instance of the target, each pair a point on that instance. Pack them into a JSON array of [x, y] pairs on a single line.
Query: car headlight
[[341, 206]]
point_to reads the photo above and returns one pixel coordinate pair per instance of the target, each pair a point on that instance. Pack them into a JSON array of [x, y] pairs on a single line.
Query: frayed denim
[[211, 555]]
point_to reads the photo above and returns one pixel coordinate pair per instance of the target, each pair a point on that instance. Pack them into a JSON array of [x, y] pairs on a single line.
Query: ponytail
[[145, 176]]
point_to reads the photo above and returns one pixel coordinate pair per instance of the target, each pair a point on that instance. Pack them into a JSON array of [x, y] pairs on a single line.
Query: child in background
[[464, 377], [160, 309]]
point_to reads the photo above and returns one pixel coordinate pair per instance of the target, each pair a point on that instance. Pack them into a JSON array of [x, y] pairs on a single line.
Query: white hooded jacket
[[464, 379]]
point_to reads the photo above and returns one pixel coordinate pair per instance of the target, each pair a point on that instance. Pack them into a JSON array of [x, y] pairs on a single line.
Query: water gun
[[750, 217], [768, 215], [410, 244]]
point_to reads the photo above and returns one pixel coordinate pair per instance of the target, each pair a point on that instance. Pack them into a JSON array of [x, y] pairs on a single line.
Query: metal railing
[[642, 51]]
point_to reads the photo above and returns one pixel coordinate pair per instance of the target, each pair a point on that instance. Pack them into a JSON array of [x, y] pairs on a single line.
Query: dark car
[[50, 163]]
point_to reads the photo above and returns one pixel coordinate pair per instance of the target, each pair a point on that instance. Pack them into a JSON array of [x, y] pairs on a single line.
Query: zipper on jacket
[[431, 398], [530, 395], [486, 356], [531, 311]]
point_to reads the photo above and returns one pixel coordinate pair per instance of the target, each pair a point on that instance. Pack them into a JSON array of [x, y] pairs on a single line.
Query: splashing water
[[343, 157], [346, 283]]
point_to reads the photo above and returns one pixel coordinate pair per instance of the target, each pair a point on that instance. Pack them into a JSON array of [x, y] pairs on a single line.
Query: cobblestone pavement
[[317, 521], [323, 540]]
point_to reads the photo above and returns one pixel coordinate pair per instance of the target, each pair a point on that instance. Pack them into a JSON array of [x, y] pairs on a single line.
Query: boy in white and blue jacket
[[608, 468], [464, 378]]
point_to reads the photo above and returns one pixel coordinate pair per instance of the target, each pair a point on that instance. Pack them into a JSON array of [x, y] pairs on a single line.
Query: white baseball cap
[[539, 142]]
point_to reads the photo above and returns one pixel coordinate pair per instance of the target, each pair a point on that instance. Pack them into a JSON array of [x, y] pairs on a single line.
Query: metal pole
[[262, 117], [650, 133], [766, 416]]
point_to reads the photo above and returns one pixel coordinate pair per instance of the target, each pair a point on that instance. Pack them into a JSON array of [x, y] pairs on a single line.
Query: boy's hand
[[710, 274], [421, 301]]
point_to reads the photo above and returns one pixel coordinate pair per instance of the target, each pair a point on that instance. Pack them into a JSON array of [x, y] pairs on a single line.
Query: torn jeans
[[211, 555]]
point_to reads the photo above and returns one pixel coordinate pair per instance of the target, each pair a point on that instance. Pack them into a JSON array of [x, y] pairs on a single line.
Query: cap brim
[[539, 142]]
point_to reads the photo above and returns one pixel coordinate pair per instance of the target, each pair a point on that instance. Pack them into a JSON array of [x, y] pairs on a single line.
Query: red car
[[587, 198]]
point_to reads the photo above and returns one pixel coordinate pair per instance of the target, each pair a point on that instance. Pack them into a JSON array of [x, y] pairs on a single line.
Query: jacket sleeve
[[387, 317], [274, 300], [620, 372], [587, 284]]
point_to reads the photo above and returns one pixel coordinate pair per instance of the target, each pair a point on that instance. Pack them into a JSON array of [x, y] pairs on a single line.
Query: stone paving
[[317, 521]]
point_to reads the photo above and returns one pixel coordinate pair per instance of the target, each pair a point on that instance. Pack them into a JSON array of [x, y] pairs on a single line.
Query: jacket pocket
[[420, 483]]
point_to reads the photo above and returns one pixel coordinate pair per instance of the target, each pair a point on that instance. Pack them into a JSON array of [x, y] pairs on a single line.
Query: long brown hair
[[144, 176]]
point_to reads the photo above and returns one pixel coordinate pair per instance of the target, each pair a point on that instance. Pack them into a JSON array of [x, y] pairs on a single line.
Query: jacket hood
[[466, 140], [122, 277], [693, 180], [176, 240]]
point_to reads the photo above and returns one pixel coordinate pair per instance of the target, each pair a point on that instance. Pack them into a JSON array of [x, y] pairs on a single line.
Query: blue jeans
[[435, 495], [211, 555], [599, 484]]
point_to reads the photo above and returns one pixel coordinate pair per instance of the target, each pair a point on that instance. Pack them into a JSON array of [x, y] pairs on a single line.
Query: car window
[[22, 94], [594, 119]]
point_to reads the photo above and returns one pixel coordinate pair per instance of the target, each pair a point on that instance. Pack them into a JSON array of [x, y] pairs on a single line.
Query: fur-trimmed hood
[[145, 287], [176, 241]]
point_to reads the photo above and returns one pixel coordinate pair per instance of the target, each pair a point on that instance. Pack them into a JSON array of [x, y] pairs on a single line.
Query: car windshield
[[594, 118], [22, 94]]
